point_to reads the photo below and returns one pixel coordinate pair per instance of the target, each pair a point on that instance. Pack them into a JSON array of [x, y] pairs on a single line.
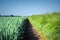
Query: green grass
[[11, 28], [48, 24]]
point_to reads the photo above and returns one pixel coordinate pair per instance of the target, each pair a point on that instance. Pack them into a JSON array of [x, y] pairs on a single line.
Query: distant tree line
[[7, 16]]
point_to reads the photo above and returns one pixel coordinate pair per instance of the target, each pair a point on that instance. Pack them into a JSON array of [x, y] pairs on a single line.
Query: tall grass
[[47, 24]]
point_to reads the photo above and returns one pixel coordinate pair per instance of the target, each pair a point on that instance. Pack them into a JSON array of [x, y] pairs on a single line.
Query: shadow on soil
[[29, 33]]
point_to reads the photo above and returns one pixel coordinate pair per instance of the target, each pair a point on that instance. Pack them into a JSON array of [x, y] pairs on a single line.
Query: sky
[[28, 7]]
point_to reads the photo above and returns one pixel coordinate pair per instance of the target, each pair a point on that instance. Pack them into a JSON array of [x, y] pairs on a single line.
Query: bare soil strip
[[30, 32], [38, 33]]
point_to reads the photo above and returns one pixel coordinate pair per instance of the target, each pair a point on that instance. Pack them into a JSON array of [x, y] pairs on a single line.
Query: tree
[[11, 15], [0, 15]]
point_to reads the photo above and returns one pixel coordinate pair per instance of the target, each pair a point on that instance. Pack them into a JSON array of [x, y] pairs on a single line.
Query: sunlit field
[[47, 25], [44, 26]]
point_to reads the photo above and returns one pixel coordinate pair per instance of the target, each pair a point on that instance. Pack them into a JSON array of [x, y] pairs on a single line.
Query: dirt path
[[30, 32], [38, 33]]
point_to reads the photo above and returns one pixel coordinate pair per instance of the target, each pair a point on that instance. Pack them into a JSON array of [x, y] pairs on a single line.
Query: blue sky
[[28, 7]]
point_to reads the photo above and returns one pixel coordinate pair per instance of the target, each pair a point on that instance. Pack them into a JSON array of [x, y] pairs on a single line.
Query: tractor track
[[30, 33]]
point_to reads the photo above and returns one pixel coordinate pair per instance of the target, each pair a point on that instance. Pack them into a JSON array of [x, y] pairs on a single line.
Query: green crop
[[48, 24], [11, 28]]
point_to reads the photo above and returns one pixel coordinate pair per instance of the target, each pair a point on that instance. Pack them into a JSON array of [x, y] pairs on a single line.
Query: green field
[[47, 24], [11, 28]]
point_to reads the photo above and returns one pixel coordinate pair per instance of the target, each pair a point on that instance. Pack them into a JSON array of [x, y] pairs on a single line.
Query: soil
[[30, 32]]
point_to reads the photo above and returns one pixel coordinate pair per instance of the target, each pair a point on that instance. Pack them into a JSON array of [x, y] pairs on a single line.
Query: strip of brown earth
[[38, 33], [29, 32]]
